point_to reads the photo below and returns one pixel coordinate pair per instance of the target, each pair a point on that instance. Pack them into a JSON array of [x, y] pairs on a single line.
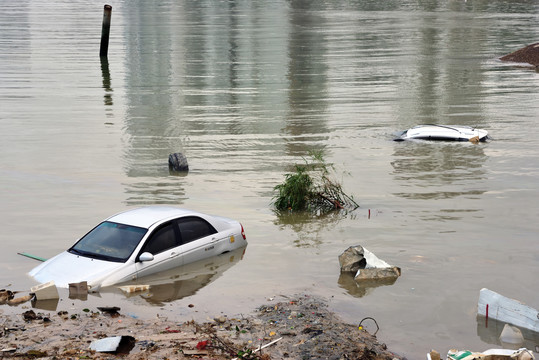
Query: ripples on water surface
[[245, 90]]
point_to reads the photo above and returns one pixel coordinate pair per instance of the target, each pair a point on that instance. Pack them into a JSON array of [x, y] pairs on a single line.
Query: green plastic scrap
[[32, 256]]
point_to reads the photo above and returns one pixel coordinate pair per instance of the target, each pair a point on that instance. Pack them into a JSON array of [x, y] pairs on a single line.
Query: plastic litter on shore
[[113, 344], [491, 354], [514, 324]]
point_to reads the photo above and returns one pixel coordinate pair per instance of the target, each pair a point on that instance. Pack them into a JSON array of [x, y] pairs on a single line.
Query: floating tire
[[177, 162]]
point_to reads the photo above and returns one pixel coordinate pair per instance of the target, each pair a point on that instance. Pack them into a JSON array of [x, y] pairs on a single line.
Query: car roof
[[145, 217]]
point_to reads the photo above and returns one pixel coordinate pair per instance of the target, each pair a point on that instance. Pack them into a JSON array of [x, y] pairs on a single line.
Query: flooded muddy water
[[245, 90]]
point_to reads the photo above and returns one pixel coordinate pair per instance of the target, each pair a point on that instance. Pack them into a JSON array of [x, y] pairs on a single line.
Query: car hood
[[66, 268]]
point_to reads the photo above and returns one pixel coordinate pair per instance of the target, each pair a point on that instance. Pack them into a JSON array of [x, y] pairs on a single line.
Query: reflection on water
[[244, 90], [307, 80], [166, 286], [449, 169], [440, 91], [49, 304], [165, 191], [490, 331], [106, 81], [194, 77], [359, 289], [310, 228], [183, 281]]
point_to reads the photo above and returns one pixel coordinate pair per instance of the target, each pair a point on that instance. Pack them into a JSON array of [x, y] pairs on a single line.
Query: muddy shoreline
[[295, 327]]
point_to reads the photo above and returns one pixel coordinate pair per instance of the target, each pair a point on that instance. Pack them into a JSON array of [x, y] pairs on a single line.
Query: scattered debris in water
[[178, 162]]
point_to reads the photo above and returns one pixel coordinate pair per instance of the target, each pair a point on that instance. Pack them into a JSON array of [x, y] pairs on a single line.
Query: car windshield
[[109, 241]]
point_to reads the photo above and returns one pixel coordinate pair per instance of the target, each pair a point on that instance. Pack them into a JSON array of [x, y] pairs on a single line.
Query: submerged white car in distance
[[444, 133], [141, 242]]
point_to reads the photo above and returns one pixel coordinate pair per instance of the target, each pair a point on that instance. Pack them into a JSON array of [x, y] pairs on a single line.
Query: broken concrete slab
[[352, 259], [375, 274], [366, 266]]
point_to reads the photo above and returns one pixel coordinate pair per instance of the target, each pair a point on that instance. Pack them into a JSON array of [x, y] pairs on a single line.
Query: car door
[[163, 244], [199, 239]]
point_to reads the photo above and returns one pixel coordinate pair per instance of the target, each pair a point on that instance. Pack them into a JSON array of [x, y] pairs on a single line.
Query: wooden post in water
[[105, 31]]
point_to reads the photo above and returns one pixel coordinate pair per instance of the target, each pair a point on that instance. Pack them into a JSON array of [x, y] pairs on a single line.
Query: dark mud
[[295, 327]]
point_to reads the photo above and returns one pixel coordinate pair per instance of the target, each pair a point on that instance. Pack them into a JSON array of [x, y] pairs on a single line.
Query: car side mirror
[[145, 256]]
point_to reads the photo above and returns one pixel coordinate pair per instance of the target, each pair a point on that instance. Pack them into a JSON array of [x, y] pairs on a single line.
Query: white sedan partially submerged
[[141, 242], [444, 133]]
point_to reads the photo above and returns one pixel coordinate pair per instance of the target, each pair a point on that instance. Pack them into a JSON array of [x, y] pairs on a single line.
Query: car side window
[[193, 228], [162, 239]]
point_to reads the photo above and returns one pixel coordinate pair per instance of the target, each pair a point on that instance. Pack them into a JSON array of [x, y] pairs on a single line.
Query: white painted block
[[45, 291], [507, 310]]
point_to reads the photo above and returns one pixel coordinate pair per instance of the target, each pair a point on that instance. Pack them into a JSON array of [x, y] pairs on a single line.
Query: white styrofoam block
[[507, 310], [45, 291]]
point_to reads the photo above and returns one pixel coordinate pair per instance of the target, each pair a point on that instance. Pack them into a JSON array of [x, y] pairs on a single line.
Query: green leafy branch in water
[[312, 188]]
